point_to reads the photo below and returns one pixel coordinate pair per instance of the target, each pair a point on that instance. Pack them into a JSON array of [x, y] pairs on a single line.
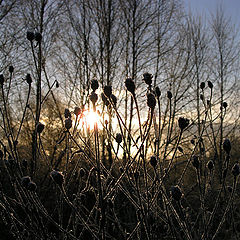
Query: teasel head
[[153, 161], [118, 138], [169, 95], [195, 161], [11, 69], [176, 193], [38, 37], [202, 85], [130, 85], [147, 78], [94, 85], [67, 113], [93, 97], [210, 165], [57, 177], [151, 101], [77, 111], [1, 79], [157, 92], [40, 127], [68, 123], [235, 170], [107, 91], [227, 146], [210, 85], [30, 36], [183, 123], [29, 78]]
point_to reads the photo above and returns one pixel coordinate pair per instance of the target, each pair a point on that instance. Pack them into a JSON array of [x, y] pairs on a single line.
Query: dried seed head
[[153, 161], [40, 127], [68, 123], [227, 146], [235, 170], [151, 100], [30, 36], [38, 37], [147, 78], [57, 177], [130, 85], [180, 149], [210, 165], [11, 69], [169, 94], [94, 84], [114, 99], [1, 79], [157, 92], [93, 97], [118, 138], [29, 78], [176, 193], [225, 105], [210, 85], [107, 91], [32, 186], [195, 161], [202, 85], [77, 111], [57, 84], [183, 123], [25, 181], [201, 97], [67, 113], [104, 99]]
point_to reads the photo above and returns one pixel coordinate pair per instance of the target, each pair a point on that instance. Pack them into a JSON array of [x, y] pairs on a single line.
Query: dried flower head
[[107, 90], [30, 36], [1, 79], [94, 85], [130, 85], [68, 123], [210, 85], [227, 146], [40, 127], [118, 138], [195, 161], [157, 92], [11, 69], [93, 97], [225, 105], [176, 193], [235, 170], [183, 123], [77, 111], [57, 177], [153, 161], [38, 37], [210, 165], [202, 85], [29, 78], [151, 100], [67, 113], [169, 94], [147, 78]]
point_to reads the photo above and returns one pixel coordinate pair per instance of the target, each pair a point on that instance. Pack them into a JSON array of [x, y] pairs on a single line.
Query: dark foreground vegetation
[[94, 146]]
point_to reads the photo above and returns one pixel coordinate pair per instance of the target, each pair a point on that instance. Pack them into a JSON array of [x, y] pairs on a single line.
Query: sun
[[89, 118]]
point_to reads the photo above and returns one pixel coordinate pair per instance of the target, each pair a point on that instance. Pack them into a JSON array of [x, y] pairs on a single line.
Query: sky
[[205, 7]]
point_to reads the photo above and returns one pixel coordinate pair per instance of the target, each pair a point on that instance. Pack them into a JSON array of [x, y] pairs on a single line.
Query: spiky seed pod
[[93, 97], [227, 146], [32, 186], [57, 177], [11, 69], [1, 79], [157, 92], [153, 161], [107, 90], [118, 138], [176, 193], [94, 85], [225, 105], [130, 85], [210, 85], [25, 181], [29, 78], [202, 85], [195, 161], [77, 111], [82, 172], [169, 94], [235, 170], [114, 99], [151, 100], [57, 84], [104, 99], [68, 123], [40, 127], [147, 78], [30, 36], [1, 154], [67, 113], [210, 165], [183, 123], [38, 37]]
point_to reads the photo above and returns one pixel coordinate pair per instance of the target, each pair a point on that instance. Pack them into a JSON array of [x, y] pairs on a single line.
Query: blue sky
[[204, 7]]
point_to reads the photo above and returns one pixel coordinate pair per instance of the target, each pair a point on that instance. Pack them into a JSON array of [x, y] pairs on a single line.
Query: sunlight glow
[[88, 119]]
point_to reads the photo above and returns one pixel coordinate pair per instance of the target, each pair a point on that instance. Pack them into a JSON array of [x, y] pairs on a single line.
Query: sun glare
[[89, 118]]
